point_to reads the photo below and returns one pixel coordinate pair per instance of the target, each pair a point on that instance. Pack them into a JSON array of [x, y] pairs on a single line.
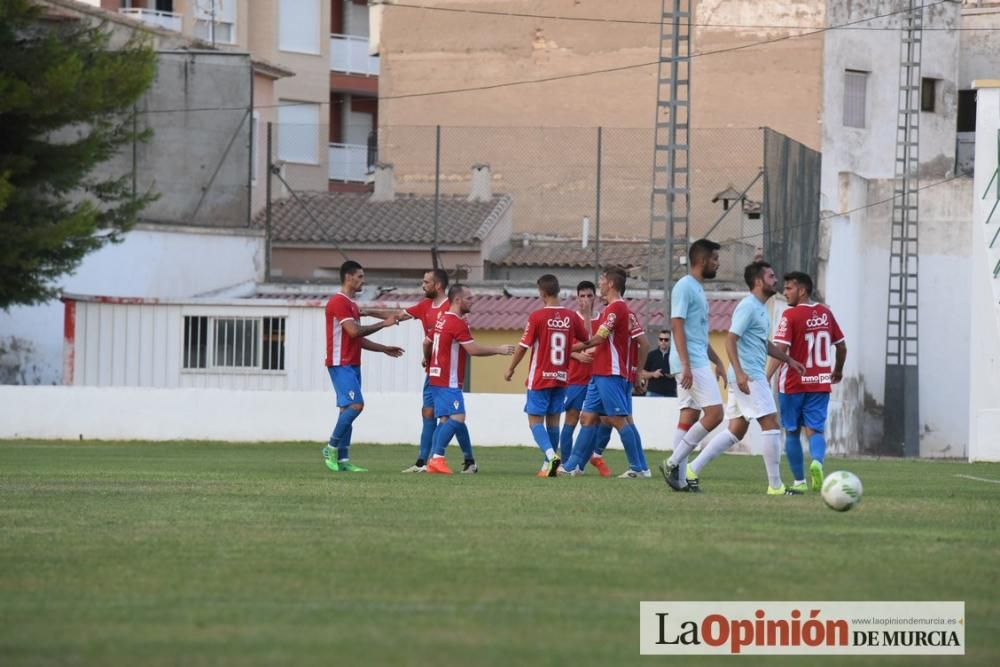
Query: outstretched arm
[[477, 350], [519, 353], [355, 330], [390, 350]]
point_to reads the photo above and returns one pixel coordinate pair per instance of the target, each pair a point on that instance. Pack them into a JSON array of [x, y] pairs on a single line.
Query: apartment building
[[325, 115]]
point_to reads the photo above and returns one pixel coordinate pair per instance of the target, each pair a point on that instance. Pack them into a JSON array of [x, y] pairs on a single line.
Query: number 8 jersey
[[550, 334], [810, 331]]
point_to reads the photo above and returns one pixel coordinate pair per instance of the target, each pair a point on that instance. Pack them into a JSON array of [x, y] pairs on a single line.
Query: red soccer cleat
[[438, 466], [602, 467]]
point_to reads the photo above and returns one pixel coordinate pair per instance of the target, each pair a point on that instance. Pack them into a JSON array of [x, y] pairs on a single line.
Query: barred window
[[855, 97], [245, 343]]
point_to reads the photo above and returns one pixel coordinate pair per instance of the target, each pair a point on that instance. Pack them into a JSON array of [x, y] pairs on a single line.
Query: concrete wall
[[856, 287], [870, 151], [152, 261], [978, 58], [984, 346]]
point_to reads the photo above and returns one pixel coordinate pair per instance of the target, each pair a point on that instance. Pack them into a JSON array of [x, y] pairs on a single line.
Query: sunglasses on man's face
[[664, 340]]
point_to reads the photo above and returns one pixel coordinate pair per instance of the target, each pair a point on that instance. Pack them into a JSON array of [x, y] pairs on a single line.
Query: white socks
[[686, 444], [713, 450], [772, 457]]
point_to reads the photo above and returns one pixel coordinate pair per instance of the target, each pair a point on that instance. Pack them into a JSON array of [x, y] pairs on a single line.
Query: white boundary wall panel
[[122, 413]]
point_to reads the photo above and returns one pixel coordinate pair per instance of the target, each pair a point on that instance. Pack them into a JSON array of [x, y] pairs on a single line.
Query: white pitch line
[[979, 479]]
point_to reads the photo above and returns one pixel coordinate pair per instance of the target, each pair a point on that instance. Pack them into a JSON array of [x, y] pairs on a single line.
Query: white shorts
[[758, 403], [704, 390]]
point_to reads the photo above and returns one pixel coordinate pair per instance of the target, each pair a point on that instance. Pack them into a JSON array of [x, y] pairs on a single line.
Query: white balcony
[[348, 162], [349, 53], [168, 20]]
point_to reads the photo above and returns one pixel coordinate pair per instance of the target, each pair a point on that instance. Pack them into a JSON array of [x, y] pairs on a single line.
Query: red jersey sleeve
[[419, 310], [835, 332], [462, 333], [783, 334], [614, 315], [634, 328], [341, 309], [530, 331]]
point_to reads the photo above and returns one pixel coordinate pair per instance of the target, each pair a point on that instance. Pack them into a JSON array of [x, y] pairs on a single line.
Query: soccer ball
[[842, 490]]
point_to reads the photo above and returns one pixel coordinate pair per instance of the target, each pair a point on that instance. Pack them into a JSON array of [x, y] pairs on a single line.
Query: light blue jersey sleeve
[[680, 300], [742, 319]]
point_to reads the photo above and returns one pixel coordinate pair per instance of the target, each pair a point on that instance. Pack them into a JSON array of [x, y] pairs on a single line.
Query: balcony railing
[[349, 53], [348, 162], [168, 20]]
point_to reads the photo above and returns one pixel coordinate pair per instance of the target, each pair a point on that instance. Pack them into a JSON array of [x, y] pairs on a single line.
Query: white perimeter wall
[[152, 261], [124, 413]]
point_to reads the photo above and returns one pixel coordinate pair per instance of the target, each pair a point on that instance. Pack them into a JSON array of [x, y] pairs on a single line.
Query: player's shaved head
[[548, 285], [456, 292]]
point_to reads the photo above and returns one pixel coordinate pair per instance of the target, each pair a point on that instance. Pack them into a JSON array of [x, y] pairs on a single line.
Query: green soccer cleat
[[783, 491], [347, 466], [330, 458], [816, 475], [801, 487]]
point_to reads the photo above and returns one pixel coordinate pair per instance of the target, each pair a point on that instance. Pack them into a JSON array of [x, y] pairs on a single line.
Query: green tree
[[66, 105]]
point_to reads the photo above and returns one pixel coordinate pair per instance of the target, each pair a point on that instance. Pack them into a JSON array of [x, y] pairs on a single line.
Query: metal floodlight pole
[[267, 208], [437, 194], [597, 214]]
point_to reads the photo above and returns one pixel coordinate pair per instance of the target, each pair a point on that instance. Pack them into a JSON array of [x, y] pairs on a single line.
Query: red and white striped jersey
[[550, 334], [428, 313], [447, 367], [579, 372], [615, 356], [810, 331], [341, 349]]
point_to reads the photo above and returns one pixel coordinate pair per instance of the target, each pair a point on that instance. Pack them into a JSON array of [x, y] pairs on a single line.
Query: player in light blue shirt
[[697, 385], [750, 397]]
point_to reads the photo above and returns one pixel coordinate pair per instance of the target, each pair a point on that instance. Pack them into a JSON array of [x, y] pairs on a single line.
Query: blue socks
[[443, 435], [566, 442], [583, 448], [793, 450], [341, 437], [553, 432], [541, 436], [464, 441], [603, 438], [427, 438], [817, 447], [633, 448]]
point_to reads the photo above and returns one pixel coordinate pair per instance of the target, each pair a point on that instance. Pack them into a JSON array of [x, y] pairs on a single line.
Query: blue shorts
[[609, 395], [448, 401], [347, 383], [575, 393], [807, 408], [551, 401], [428, 396]]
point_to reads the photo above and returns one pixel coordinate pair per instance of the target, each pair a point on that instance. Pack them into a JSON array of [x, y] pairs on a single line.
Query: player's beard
[[708, 273]]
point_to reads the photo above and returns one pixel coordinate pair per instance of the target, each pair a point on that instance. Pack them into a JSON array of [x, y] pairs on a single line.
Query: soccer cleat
[[347, 466], [799, 486], [672, 477], [330, 458], [470, 468], [632, 474], [415, 468], [551, 468], [692, 479], [602, 467], [562, 472], [438, 466], [816, 475], [783, 491]]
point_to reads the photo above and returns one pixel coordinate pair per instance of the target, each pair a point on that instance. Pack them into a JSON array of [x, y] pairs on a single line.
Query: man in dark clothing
[[659, 360]]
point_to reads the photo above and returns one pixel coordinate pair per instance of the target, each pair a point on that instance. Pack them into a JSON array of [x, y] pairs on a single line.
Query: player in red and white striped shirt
[[550, 333], [806, 332], [345, 338], [450, 343]]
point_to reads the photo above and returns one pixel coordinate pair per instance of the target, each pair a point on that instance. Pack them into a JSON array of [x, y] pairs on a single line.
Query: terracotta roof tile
[[351, 217]]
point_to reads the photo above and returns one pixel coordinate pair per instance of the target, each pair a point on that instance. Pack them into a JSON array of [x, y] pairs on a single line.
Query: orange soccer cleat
[[438, 465], [602, 467]]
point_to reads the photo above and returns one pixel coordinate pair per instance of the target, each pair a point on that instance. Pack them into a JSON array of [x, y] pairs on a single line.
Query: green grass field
[[254, 554]]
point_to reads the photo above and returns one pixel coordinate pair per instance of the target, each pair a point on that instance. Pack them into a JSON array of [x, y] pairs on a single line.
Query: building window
[[855, 97], [928, 94], [298, 132], [234, 343], [298, 26]]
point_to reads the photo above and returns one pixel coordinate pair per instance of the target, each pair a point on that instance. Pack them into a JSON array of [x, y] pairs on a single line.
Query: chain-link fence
[[755, 202]]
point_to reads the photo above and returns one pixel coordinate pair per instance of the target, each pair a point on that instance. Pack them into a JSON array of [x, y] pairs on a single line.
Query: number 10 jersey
[[811, 332]]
